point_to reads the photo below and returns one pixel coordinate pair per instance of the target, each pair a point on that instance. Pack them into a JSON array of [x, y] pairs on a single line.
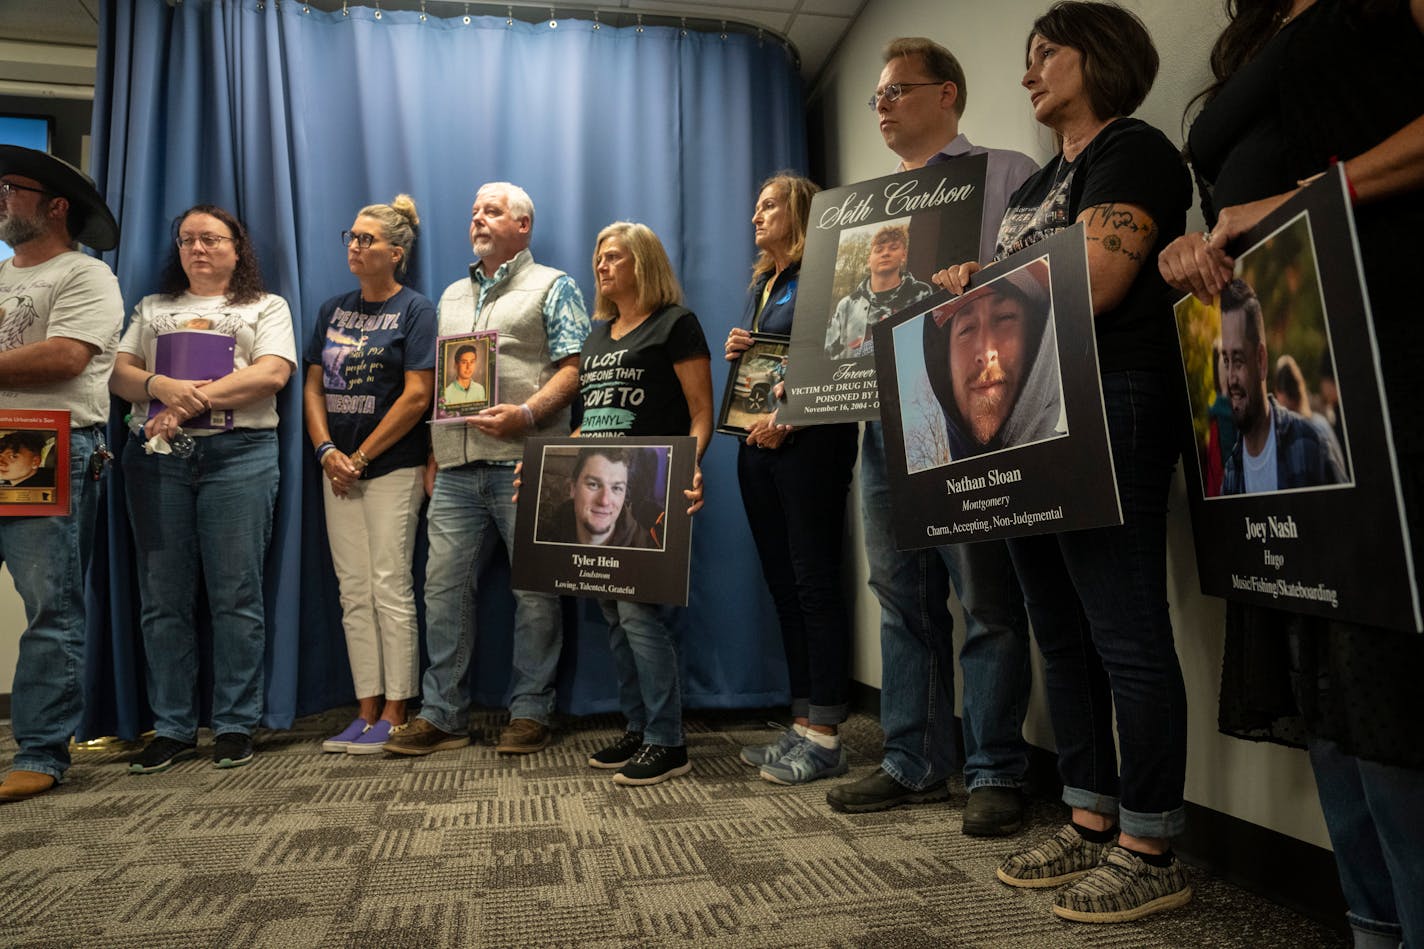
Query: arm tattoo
[[1121, 221]]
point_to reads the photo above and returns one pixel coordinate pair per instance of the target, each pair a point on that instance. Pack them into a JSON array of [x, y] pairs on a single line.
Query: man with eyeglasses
[[540, 315], [60, 313], [918, 102]]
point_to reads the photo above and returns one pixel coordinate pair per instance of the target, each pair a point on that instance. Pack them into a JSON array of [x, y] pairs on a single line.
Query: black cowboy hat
[[91, 221]]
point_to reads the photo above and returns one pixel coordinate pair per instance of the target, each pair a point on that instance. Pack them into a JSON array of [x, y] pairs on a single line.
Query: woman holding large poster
[[1349, 693], [794, 486], [644, 370], [1098, 598]]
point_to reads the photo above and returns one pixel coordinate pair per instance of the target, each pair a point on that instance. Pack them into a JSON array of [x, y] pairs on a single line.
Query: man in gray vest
[[541, 319]]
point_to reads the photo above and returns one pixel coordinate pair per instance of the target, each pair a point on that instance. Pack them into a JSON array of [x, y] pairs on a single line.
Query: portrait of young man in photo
[[599, 509]]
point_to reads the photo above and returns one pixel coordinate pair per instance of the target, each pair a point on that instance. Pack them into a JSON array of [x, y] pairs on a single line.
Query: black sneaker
[[232, 750], [617, 754], [653, 764], [160, 755]]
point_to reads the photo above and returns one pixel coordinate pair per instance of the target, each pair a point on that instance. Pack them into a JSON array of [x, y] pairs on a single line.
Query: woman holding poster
[[370, 373], [204, 358], [1349, 693], [794, 486], [1098, 598], [644, 370]]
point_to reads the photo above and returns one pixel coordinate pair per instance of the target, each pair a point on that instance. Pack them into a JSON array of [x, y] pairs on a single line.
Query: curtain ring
[[509, 17], [640, 23], [553, 20], [422, 11], [467, 14], [344, 11], [724, 29], [596, 24], [684, 26], [378, 9]]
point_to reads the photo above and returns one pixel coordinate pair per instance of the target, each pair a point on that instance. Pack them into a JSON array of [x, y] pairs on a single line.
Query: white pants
[[372, 537]]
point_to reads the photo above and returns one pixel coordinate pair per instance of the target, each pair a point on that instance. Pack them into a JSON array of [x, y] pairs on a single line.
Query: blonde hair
[[797, 192], [399, 224], [657, 284]]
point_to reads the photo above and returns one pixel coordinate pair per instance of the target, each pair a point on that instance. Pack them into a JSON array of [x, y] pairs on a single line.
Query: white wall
[[12, 624], [1265, 784]]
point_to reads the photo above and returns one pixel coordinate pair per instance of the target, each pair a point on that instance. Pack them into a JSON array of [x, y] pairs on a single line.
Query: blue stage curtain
[[295, 118]]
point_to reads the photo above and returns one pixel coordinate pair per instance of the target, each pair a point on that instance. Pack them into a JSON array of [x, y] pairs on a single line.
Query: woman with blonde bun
[[370, 374]]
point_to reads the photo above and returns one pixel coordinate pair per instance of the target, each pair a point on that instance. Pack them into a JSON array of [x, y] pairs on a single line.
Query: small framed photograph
[[467, 380], [34, 463], [751, 382]]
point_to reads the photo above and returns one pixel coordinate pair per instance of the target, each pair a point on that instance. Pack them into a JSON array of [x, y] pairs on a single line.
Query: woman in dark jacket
[[794, 487]]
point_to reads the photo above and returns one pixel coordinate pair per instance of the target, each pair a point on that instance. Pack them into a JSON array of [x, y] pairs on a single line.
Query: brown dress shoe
[[23, 785], [523, 736]]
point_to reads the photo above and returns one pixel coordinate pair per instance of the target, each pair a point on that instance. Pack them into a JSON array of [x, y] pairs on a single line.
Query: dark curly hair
[[244, 286]]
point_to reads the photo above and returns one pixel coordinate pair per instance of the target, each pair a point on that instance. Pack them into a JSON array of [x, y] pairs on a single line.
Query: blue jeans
[[48, 557], [917, 648], [645, 656], [1373, 812], [470, 510], [795, 498], [1098, 601], [207, 517]]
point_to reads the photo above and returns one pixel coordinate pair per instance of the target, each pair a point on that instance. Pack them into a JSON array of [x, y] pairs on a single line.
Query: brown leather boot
[[23, 785]]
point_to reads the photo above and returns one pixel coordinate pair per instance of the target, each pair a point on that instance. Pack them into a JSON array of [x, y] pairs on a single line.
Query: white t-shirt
[[73, 296], [1259, 471], [260, 328]]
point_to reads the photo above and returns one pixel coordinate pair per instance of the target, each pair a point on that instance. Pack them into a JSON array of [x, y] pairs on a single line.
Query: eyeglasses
[[8, 188], [893, 91], [210, 241], [363, 241]]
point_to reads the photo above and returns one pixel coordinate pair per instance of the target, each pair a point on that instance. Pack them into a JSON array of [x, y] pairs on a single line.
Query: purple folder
[[195, 355]]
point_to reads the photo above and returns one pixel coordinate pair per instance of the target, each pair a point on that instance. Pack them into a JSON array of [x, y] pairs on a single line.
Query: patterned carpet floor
[[470, 848]]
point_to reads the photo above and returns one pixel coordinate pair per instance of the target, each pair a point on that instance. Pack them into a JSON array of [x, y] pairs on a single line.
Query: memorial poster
[[466, 380], [605, 517], [871, 248], [34, 462], [1291, 473], [993, 406]]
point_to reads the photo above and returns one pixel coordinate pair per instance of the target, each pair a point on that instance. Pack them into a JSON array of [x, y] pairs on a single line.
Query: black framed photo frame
[[992, 405], [751, 383], [34, 462], [605, 517], [467, 380], [1289, 492], [870, 250]]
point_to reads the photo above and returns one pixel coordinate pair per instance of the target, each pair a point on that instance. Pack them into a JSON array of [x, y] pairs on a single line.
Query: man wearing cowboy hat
[[60, 313]]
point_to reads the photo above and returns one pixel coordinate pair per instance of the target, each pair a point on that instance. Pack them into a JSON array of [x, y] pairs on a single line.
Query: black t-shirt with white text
[[629, 385]]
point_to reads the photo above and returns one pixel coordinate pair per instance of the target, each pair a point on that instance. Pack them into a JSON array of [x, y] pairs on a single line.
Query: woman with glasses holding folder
[[202, 361]]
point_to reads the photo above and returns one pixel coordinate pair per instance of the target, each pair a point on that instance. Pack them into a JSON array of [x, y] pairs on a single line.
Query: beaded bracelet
[[324, 449]]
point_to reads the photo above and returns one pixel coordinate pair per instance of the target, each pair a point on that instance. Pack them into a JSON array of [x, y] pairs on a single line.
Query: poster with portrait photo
[[605, 517], [870, 250], [1287, 500], [34, 462], [993, 405], [750, 394], [468, 381]]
